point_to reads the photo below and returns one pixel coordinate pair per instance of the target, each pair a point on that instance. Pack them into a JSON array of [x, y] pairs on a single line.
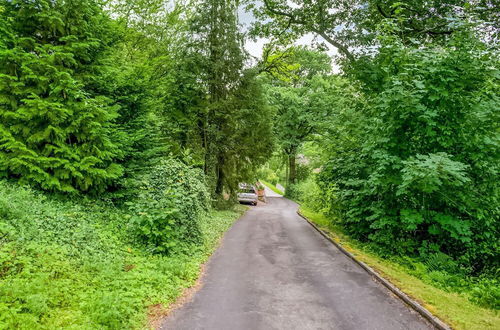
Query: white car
[[248, 194]]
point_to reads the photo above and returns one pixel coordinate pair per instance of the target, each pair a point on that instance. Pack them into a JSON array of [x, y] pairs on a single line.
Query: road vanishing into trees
[[274, 271]]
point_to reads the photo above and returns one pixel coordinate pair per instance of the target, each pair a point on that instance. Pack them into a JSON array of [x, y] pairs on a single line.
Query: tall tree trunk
[[287, 169], [293, 168], [219, 188]]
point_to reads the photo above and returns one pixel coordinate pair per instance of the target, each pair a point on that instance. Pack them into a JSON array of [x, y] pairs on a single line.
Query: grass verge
[[72, 264], [453, 308], [272, 187]]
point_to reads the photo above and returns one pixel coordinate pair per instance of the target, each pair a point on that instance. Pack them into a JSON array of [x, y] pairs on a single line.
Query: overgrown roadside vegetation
[[78, 264], [125, 124], [461, 307], [400, 151], [125, 129]]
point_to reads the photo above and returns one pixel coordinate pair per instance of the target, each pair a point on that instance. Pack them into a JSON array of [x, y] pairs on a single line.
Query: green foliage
[[67, 264], [307, 193], [301, 103], [166, 215], [221, 68], [303, 172], [486, 292], [293, 191], [267, 174], [57, 128], [247, 133], [445, 273], [89, 103], [351, 26], [417, 170], [209, 110]]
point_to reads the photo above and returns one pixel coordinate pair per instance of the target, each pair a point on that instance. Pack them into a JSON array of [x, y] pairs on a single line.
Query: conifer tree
[[224, 61], [235, 126], [56, 129]]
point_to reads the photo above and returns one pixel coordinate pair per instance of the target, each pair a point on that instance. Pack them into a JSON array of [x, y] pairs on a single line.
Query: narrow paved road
[[274, 271]]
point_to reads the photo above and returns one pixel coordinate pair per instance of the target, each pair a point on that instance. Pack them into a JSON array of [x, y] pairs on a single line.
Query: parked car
[[248, 194]]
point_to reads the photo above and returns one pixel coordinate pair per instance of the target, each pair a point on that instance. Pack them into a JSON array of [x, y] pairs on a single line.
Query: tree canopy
[[127, 127]]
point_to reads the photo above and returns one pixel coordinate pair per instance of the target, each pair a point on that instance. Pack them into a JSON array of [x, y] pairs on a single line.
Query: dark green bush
[[57, 126], [292, 191]]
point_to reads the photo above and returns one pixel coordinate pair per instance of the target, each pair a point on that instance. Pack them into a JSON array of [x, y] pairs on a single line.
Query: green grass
[[454, 308], [67, 264], [272, 187]]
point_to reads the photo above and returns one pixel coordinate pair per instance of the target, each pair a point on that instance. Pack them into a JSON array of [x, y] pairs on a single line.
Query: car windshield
[[248, 191]]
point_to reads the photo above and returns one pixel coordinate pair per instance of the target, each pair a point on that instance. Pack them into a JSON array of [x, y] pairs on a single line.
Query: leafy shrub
[[293, 191], [442, 262], [414, 160], [313, 195], [487, 293], [308, 193], [268, 175], [302, 172], [443, 272], [167, 213]]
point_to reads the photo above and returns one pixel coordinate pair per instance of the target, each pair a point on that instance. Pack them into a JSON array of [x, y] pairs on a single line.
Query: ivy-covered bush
[[166, 215]]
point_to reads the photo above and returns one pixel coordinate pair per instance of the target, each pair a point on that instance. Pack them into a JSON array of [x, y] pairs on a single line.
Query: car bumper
[[247, 200]]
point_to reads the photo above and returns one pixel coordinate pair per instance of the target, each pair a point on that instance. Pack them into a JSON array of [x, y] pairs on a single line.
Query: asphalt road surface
[[274, 271]]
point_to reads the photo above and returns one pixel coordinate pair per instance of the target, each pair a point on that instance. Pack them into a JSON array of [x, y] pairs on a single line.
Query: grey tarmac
[[274, 271]]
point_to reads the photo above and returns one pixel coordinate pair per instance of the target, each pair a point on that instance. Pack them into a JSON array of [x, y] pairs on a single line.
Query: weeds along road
[[274, 271]]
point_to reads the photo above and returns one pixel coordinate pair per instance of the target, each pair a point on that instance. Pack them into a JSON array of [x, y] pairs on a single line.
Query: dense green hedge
[[57, 127], [414, 166]]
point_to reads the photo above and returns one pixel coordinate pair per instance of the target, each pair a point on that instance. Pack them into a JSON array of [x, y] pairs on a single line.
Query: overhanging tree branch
[[431, 31], [319, 31], [335, 44], [293, 18], [382, 12]]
